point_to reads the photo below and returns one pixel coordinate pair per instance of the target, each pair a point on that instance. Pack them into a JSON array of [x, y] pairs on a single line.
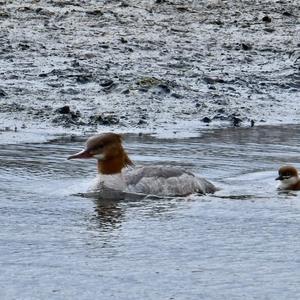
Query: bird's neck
[[114, 165]]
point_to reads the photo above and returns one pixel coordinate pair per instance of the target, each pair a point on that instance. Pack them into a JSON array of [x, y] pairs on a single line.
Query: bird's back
[[165, 181]]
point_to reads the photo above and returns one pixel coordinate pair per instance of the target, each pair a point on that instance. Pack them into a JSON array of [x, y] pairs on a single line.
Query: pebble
[[246, 47], [63, 110], [104, 119], [2, 93], [83, 79], [236, 121], [267, 19], [206, 120], [107, 83]]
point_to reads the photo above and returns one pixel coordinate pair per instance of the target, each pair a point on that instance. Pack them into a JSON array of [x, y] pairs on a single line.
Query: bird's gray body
[[162, 180]]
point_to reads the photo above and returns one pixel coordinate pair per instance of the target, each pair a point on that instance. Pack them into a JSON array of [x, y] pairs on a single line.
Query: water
[[242, 243]]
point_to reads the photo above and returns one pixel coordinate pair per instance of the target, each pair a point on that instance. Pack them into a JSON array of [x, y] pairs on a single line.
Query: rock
[[124, 4], [123, 40], [143, 90], [68, 119], [2, 93], [236, 122], [141, 122], [177, 96], [23, 46], [266, 19], [252, 123], [103, 119], [269, 30], [83, 79], [104, 46], [125, 92], [75, 64], [246, 47], [63, 110], [43, 75], [287, 14], [206, 120], [4, 14], [164, 88], [211, 80], [94, 12], [107, 83], [69, 91]]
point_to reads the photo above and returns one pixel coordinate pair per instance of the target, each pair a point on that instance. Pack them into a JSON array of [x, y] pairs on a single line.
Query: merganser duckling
[[112, 161], [289, 178]]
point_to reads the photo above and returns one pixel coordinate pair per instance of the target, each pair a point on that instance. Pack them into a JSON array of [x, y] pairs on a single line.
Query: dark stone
[[252, 123], [95, 12], [104, 119], [2, 93], [211, 80], [75, 115], [43, 75], [104, 46], [24, 46], [143, 90], [177, 96], [123, 40], [269, 30], [218, 22], [197, 104], [287, 14], [206, 120], [75, 64], [142, 122], [69, 91], [107, 83], [164, 88], [246, 47], [63, 110], [236, 121], [125, 92], [267, 19], [124, 4], [83, 78]]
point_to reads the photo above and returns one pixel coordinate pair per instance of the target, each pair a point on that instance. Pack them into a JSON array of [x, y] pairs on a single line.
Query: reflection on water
[[108, 213], [241, 242]]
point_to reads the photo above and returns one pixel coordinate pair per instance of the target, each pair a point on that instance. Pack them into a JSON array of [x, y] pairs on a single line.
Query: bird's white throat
[[286, 183], [115, 182]]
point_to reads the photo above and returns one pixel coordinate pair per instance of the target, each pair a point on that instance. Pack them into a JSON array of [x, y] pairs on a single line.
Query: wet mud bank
[[148, 66]]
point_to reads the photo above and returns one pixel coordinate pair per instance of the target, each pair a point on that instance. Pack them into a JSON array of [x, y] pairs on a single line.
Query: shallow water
[[241, 243]]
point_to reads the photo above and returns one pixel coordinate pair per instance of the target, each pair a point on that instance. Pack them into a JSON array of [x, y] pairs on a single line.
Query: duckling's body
[[289, 178]]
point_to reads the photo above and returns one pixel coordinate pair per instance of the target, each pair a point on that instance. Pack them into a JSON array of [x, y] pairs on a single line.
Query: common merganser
[[289, 178], [112, 161]]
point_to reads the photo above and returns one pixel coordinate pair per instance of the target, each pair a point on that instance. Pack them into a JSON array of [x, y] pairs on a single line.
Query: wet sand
[[148, 66]]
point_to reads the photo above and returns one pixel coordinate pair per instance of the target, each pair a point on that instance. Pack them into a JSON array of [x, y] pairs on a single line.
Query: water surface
[[242, 243]]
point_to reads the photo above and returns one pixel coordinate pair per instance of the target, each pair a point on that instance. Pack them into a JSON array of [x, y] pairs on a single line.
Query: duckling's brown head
[[286, 173], [108, 150]]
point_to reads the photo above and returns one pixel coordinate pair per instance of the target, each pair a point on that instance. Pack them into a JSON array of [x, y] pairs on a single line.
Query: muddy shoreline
[[160, 67]]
